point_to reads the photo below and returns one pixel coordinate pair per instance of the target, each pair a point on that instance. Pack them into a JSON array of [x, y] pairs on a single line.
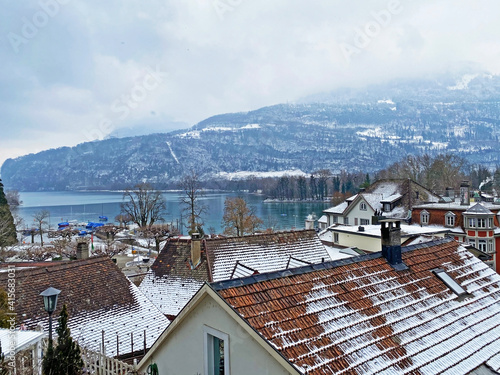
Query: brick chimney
[[464, 193], [82, 250], [195, 249], [391, 243]]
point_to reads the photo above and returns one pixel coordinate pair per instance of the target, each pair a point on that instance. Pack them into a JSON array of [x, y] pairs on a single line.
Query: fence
[[98, 364]]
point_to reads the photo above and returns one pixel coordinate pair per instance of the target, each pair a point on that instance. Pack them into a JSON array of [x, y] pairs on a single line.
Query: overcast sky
[[73, 71]]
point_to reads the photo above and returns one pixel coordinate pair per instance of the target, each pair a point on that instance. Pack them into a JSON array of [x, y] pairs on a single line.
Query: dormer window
[[387, 207], [424, 217], [362, 206], [450, 219]]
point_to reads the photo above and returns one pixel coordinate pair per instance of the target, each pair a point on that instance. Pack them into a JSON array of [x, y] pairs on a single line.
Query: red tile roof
[[360, 316], [98, 297]]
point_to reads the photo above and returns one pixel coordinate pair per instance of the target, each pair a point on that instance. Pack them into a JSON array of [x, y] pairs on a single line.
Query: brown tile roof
[[172, 282], [98, 297], [360, 316]]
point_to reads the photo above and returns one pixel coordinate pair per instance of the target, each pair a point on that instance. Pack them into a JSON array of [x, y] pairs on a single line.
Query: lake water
[[89, 205]]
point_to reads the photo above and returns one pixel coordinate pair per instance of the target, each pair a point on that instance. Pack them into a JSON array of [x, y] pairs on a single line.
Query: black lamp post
[[50, 301]]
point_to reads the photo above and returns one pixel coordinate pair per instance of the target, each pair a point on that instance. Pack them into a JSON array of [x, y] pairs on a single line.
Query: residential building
[[367, 237], [431, 308], [104, 307], [476, 223], [384, 198], [184, 265]]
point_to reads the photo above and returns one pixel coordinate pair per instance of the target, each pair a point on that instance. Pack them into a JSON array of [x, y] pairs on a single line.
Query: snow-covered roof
[[391, 198], [171, 281], [323, 219], [338, 209], [21, 339], [478, 209], [263, 253], [406, 230], [98, 297], [361, 316]]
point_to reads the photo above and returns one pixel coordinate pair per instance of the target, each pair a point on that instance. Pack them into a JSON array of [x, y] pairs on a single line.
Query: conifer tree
[[7, 227], [65, 358]]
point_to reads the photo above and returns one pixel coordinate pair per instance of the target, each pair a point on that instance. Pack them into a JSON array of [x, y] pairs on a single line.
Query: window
[[387, 207], [450, 219], [346, 220], [482, 245], [355, 221], [216, 352], [481, 223], [424, 217], [362, 206], [364, 222], [450, 282], [490, 247], [335, 219], [490, 222], [472, 222], [336, 237]]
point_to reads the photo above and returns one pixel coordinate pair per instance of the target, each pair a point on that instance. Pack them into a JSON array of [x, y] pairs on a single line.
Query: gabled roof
[[263, 253], [171, 282], [360, 316], [98, 297], [478, 209]]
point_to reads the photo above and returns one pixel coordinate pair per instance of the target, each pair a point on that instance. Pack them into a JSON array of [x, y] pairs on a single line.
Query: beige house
[[205, 335], [367, 237]]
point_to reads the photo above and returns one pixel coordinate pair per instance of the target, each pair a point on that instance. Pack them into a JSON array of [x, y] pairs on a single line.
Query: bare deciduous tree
[[144, 204], [238, 218], [40, 218], [191, 200]]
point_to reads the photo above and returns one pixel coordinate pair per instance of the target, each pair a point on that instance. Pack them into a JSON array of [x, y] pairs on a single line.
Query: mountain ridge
[[358, 130]]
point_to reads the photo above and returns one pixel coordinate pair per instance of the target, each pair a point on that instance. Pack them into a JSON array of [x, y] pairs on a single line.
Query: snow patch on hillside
[[463, 83]]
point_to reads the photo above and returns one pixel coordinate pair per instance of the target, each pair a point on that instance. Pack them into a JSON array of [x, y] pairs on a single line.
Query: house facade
[[384, 198], [476, 223]]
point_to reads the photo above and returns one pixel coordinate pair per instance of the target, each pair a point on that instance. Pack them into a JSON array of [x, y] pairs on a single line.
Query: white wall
[[182, 353], [359, 214]]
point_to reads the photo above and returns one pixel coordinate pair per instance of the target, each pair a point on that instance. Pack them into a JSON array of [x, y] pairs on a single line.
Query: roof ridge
[[61, 265], [260, 235], [247, 280]]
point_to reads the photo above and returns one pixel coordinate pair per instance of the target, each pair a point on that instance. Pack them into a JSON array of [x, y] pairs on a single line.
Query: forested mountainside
[[356, 130]]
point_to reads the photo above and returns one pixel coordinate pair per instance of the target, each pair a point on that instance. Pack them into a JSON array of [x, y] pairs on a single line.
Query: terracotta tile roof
[[98, 297], [360, 316], [172, 282]]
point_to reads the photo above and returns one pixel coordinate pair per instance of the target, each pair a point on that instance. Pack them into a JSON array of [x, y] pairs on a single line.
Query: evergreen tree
[[7, 227], [65, 358]]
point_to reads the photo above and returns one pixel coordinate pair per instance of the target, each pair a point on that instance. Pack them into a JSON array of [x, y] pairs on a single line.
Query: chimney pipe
[[82, 250], [195, 249], [391, 243], [464, 193]]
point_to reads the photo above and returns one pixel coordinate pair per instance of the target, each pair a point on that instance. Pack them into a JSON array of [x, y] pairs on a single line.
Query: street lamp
[[50, 301]]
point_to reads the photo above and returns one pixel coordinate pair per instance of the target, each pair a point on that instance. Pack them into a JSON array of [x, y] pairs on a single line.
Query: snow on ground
[[246, 174]]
